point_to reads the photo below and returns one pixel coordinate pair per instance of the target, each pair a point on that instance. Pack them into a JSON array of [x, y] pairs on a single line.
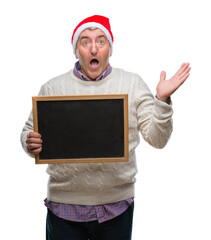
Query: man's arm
[[154, 118], [31, 141], [154, 115]]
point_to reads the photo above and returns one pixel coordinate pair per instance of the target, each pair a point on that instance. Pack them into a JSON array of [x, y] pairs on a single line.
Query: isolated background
[[173, 185]]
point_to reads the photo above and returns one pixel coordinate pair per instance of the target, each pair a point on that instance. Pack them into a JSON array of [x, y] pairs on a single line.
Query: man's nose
[[94, 48]]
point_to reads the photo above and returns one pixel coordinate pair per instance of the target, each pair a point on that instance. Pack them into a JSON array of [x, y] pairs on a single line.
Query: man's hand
[[34, 143], [166, 88]]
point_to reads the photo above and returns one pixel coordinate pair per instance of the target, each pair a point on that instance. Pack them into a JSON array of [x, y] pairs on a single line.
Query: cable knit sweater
[[101, 183]]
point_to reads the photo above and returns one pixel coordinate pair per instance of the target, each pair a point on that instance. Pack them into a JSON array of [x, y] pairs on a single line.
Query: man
[[95, 201]]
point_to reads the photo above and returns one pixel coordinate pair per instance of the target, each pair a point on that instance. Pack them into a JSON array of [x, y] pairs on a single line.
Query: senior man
[[96, 201]]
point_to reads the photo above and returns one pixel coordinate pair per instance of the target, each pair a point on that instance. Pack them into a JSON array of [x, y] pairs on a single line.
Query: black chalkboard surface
[[82, 128]]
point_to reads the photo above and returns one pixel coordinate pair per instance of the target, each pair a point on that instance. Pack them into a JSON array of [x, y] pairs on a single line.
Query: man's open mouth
[[94, 62]]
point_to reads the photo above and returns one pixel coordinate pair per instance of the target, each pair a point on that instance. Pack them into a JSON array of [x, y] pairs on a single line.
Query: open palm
[[166, 88]]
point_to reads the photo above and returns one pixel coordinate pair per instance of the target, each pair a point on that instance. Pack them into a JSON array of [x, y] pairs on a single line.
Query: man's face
[[93, 52]]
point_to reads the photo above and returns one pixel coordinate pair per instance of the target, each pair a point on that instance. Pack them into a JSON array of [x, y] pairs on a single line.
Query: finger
[[33, 140], [187, 70], [183, 67], [162, 76], [34, 135], [34, 146], [182, 80], [35, 151]]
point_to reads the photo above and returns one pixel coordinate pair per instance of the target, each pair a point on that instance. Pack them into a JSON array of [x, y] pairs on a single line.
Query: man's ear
[[110, 54], [76, 54]]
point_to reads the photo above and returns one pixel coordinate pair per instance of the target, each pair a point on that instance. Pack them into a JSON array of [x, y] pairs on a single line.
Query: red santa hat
[[95, 21]]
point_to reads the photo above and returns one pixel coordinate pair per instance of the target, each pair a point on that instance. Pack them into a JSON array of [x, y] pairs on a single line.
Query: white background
[[173, 199]]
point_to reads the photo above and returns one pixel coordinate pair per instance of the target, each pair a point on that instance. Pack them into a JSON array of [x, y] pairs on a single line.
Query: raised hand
[[166, 88]]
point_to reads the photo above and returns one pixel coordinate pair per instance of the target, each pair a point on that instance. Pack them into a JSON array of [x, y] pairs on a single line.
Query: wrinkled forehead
[[92, 33]]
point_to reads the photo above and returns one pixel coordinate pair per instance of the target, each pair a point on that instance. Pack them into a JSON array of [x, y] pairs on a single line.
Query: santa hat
[[95, 21]]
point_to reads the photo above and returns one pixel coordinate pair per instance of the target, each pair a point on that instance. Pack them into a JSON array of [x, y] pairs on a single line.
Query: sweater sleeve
[[28, 127], [154, 116]]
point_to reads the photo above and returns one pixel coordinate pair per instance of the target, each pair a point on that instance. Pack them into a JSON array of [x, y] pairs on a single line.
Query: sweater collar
[[81, 76]]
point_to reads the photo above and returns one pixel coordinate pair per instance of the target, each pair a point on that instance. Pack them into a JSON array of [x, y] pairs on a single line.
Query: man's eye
[[100, 42], [85, 43]]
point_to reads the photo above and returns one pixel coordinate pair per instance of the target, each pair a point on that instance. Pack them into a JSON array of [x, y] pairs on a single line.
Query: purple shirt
[[81, 76], [86, 213]]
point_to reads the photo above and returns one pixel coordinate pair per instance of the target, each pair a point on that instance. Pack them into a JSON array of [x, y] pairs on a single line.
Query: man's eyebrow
[[84, 37], [102, 36]]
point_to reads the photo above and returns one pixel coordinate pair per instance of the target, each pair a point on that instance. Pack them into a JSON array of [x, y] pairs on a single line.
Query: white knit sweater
[[101, 183]]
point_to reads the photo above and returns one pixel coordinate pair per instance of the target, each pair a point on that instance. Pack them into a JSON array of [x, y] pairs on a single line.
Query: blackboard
[[82, 128]]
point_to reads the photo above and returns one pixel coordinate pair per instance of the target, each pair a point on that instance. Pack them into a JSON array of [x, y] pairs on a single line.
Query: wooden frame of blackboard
[[111, 99]]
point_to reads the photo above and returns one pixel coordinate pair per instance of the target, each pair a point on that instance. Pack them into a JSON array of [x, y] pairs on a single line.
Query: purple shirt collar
[[81, 76]]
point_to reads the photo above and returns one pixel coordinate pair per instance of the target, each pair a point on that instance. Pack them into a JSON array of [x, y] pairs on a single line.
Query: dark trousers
[[119, 228]]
